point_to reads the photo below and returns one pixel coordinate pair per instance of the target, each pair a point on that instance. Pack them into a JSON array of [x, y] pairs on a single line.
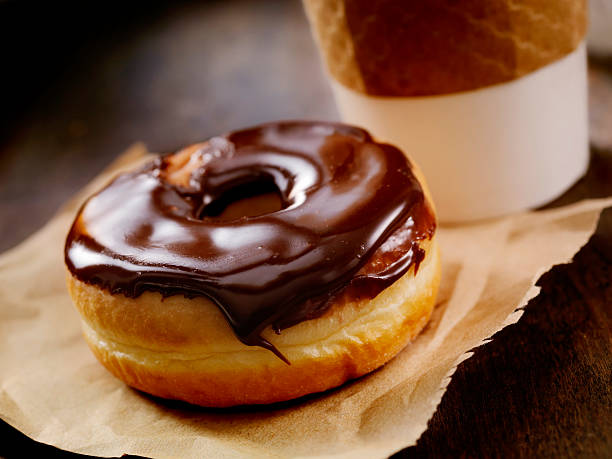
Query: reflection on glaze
[[342, 196]]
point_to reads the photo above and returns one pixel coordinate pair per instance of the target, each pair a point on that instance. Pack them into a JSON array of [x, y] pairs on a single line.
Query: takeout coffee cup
[[489, 98]]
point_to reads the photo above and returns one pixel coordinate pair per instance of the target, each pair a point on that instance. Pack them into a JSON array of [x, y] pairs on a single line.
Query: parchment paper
[[53, 389]]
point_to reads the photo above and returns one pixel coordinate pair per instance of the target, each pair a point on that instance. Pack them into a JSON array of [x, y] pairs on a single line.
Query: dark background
[[80, 82], [85, 80]]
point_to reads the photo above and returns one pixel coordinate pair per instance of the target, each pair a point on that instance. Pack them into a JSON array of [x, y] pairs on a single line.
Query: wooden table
[[78, 92]]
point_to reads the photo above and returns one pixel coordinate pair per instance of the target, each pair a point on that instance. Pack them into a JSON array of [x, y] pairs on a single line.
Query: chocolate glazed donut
[[349, 219]]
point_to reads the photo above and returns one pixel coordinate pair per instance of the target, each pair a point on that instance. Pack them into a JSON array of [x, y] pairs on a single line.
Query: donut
[[256, 267]]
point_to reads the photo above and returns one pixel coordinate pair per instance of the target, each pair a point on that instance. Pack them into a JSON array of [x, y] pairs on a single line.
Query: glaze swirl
[[351, 217]]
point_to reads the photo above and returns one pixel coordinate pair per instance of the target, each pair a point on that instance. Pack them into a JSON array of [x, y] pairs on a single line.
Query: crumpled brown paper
[[53, 389]]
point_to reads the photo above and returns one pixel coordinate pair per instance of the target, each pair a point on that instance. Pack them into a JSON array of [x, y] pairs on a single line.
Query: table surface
[[78, 92]]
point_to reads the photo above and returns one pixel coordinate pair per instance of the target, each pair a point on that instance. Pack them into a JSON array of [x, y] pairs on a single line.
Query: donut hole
[[245, 200]]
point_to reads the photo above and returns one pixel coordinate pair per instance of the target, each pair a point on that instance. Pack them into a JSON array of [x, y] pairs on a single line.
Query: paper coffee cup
[[490, 100]]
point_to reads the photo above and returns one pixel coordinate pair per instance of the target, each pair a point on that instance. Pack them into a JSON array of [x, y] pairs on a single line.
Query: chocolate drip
[[342, 196]]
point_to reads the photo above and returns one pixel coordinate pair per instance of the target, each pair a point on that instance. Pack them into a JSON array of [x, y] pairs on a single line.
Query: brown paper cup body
[[419, 48]]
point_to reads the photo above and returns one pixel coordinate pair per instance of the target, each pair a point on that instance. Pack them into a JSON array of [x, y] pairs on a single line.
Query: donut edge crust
[[184, 349]]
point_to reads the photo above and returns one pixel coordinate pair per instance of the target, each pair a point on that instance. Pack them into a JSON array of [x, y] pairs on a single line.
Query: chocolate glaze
[[352, 215]]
